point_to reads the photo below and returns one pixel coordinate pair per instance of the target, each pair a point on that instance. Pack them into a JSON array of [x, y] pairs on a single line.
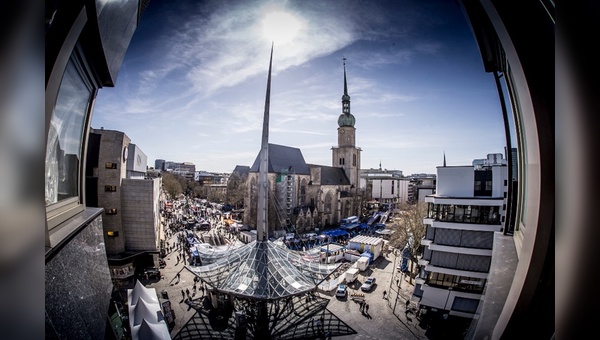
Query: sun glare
[[280, 26]]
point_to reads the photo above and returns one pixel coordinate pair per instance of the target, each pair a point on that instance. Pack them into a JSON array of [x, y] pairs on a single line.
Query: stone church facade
[[304, 196]]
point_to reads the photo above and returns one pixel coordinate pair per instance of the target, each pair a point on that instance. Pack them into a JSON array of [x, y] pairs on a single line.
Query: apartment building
[[116, 181], [466, 211], [385, 186]]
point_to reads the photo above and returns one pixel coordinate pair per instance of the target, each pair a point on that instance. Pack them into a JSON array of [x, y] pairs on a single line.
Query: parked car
[[342, 290], [152, 273], [368, 284]]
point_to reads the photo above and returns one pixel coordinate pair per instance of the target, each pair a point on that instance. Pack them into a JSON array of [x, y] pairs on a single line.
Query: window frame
[[59, 212]]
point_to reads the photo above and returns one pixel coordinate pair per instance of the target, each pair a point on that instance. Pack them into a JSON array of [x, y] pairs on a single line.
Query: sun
[[280, 26]]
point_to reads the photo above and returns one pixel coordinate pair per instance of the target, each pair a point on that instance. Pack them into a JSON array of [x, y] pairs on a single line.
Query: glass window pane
[[65, 135]]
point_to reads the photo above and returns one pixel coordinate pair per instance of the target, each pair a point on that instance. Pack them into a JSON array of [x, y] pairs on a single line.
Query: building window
[[110, 188], [354, 160], [483, 183], [112, 211], [461, 304], [65, 135], [68, 120]]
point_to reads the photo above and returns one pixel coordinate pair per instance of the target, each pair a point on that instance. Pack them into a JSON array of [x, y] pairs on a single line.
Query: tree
[[236, 190], [200, 191], [409, 230], [171, 184], [216, 196]]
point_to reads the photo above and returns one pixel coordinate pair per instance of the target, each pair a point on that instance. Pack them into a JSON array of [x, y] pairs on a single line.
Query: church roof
[[283, 158], [332, 175], [241, 170]]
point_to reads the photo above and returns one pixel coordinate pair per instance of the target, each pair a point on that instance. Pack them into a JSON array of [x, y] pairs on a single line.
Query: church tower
[[346, 155]]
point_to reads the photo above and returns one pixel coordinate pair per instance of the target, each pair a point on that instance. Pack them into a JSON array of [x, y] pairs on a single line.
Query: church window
[[303, 193]]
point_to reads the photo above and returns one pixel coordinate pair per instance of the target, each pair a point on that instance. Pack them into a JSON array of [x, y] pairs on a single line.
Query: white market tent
[[150, 331], [139, 291], [146, 318]]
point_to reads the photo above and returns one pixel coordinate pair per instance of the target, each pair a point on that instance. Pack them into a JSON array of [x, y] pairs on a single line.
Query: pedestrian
[[187, 292], [182, 294], [398, 282], [384, 292], [367, 308], [407, 303]]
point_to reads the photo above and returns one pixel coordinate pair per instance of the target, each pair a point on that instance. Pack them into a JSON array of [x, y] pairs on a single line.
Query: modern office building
[[185, 169], [420, 186], [116, 181], [387, 187], [85, 42], [467, 210], [159, 164]]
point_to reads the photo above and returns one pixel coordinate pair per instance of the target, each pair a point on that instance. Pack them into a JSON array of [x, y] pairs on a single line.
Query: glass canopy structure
[[263, 289], [264, 270]]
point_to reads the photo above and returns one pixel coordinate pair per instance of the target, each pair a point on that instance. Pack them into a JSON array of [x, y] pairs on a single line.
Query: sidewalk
[[174, 287], [399, 300]]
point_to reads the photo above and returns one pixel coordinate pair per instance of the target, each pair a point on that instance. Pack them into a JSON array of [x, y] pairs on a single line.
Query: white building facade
[[463, 216]]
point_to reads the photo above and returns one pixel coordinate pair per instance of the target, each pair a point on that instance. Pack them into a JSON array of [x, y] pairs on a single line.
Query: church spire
[[346, 118], [444, 158], [345, 97]]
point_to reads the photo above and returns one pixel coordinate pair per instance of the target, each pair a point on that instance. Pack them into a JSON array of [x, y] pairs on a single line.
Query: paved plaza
[[386, 317]]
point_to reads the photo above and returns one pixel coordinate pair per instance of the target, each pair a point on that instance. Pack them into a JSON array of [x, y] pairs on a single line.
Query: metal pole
[[396, 302], [397, 288], [394, 268]]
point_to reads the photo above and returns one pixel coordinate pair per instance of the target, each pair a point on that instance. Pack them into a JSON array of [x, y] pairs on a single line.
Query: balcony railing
[[464, 214], [467, 219]]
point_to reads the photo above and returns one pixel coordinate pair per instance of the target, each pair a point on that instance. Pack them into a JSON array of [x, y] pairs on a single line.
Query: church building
[[304, 196]]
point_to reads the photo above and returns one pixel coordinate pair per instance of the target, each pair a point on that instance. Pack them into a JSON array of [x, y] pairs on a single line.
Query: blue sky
[[192, 84]]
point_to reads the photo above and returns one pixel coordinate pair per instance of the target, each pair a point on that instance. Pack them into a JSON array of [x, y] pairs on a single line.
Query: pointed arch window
[[302, 197], [327, 204]]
